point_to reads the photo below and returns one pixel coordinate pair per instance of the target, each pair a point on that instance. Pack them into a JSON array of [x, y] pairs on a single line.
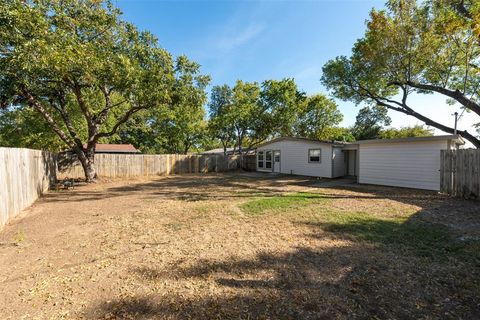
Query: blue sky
[[275, 39]]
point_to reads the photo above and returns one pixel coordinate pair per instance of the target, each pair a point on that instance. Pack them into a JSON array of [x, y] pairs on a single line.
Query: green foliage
[[279, 203], [423, 48], [220, 125], [318, 119], [248, 114], [369, 122], [81, 67], [183, 126], [406, 132], [280, 105], [24, 128]]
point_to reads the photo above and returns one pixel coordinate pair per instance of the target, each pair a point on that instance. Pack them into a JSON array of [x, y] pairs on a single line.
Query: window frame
[[319, 155], [262, 160], [269, 161]]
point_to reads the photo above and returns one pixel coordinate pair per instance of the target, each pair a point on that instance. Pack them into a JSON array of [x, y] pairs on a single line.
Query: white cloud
[[235, 38]]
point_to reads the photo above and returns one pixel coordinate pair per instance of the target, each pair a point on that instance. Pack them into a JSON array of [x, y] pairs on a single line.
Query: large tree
[[220, 124], [318, 118], [370, 122], [81, 67], [249, 113], [184, 125], [430, 47]]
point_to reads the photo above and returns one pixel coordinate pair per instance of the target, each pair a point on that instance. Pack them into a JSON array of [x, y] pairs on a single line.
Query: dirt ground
[[187, 247]]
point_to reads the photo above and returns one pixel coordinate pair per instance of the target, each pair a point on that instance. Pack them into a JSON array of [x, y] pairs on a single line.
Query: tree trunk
[[87, 159], [224, 149]]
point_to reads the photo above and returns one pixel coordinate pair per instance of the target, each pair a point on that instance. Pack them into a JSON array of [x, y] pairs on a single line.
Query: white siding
[[411, 165], [294, 158], [338, 162]]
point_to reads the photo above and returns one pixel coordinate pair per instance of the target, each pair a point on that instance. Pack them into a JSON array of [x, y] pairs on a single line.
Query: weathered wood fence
[[132, 165], [460, 173], [24, 175]]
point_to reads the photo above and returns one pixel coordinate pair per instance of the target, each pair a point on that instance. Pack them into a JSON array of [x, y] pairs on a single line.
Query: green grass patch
[[423, 238], [279, 203]]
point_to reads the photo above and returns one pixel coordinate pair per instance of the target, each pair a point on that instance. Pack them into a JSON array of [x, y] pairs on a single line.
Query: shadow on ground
[[372, 268], [345, 282], [362, 267]]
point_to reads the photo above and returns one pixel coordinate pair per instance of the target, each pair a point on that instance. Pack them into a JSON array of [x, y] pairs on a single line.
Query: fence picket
[[131, 165], [460, 173]]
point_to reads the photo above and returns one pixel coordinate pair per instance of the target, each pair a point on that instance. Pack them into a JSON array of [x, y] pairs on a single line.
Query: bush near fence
[[132, 165], [24, 175]]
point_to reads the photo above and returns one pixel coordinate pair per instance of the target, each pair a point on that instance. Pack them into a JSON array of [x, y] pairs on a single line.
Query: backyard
[[241, 246]]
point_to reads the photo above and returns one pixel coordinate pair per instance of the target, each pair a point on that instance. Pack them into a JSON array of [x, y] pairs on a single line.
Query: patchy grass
[[280, 203], [241, 247], [424, 239]]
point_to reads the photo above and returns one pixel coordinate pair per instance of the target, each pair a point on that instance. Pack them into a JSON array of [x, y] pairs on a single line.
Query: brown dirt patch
[[180, 247]]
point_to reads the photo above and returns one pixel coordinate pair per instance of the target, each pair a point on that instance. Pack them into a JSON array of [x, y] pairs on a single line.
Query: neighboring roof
[[301, 139], [456, 138], [218, 150], [116, 148], [229, 151]]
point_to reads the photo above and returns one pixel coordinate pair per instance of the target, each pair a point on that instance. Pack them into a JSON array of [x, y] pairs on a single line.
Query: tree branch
[[102, 115], [38, 106], [121, 121], [456, 95]]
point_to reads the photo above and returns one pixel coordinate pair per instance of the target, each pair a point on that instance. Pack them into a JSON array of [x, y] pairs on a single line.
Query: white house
[[408, 162]]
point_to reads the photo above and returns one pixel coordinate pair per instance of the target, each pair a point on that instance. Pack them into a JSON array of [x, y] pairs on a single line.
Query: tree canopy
[[81, 67], [318, 118], [414, 48], [406, 132], [250, 113], [370, 122]]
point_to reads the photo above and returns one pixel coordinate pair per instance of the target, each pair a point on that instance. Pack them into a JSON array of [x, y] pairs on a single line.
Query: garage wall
[[411, 165], [294, 158]]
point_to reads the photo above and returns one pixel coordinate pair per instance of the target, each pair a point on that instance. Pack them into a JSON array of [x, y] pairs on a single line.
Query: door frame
[[275, 162]]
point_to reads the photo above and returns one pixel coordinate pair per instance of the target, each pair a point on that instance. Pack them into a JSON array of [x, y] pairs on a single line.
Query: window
[[260, 159], [276, 156], [314, 155], [268, 159]]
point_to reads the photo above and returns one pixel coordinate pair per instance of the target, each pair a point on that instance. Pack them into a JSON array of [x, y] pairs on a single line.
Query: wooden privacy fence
[[460, 173], [24, 175], [131, 165]]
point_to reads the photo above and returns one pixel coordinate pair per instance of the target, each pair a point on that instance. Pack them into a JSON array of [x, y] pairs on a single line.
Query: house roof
[[454, 137], [115, 148], [302, 139]]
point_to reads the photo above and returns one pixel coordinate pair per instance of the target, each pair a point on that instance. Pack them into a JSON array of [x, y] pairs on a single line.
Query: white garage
[[410, 162]]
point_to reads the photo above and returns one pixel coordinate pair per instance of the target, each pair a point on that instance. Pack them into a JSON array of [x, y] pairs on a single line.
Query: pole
[[456, 119]]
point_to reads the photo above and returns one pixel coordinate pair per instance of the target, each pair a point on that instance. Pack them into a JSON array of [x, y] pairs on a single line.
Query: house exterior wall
[[410, 164], [294, 158], [338, 169]]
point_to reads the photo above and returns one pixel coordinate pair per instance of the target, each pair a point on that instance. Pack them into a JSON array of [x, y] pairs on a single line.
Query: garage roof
[[454, 137]]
